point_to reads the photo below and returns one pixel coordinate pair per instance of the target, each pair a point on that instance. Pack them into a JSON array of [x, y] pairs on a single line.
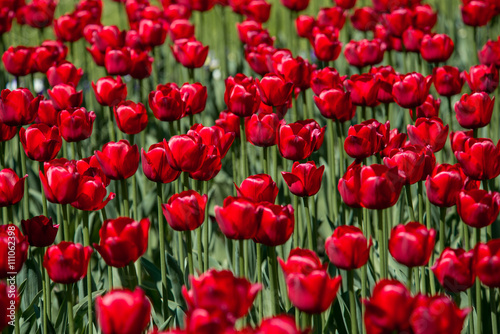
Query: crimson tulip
[[303, 261], [335, 104], [69, 27], [181, 28], [444, 184], [327, 47], [347, 248], [428, 132], [412, 244], [424, 17], [229, 122], [47, 113], [110, 91], [475, 110], [478, 208], [397, 21], [241, 96], [436, 48], [18, 60], [7, 132], [11, 187], [386, 76], [141, 65], [152, 32], [411, 89], [14, 246], [380, 186], [412, 39], [364, 52], [60, 181], [67, 262], [195, 97], [476, 13], [155, 164], [281, 324], [131, 117], [304, 25], [185, 211], [296, 70], [65, 96], [305, 179], [364, 19], [118, 160], [276, 225], [40, 231], [490, 53], [325, 79], [365, 139], [458, 139], [480, 159], [295, 5], [297, 141], [349, 185], [447, 80], [486, 263], [18, 107], [239, 218], [261, 129], [454, 269], [92, 190], [64, 73], [428, 109], [410, 162], [482, 78], [331, 17], [191, 54], [40, 142], [274, 90], [75, 124], [166, 103], [363, 88], [258, 188], [118, 61], [186, 152]]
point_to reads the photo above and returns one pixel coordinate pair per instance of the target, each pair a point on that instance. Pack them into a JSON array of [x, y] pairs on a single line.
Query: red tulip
[[347, 248], [167, 103], [195, 97], [64, 73], [257, 57], [239, 218], [364, 52], [428, 131], [258, 10], [92, 189], [123, 241], [325, 79], [281, 324], [40, 142], [276, 225], [191, 54], [301, 261], [186, 152], [131, 117], [490, 53], [9, 303], [152, 32], [327, 47], [363, 88], [118, 160], [486, 263], [6, 16], [412, 39], [155, 164], [482, 78], [261, 129], [7, 132], [105, 37], [397, 21], [389, 308], [304, 25], [118, 61], [480, 159], [335, 104], [380, 186], [141, 64], [123, 311], [18, 60], [345, 4], [229, 122], [364, 19], [436, 48], [241, 96], [15, 244], [65, 96], [69, 27], [365, 139], [110, 92], [60, 180], [411, 90], [295, 5], [410, 162], [412, 244], [47, 113], [444, 184], [40, 231], [75, 124], [181, 28], [454, 269], [349, 186], [459, 138], [475, 110], [386, 76], [478, 208], [12, 187], [67, 262], [331, 17], [393, 140], [258, 188], [185, 211], [296, 70], [476, 13], [274, 90], [18, 107], [297, 141], [447, 80], [305, 179], [429, 109], [424, 17]]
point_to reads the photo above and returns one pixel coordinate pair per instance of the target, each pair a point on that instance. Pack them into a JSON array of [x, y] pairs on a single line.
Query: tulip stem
[[163, 265], [200, 248], [189, 246], [477, 238], [381, 244], [493, 310], [136, 217], [206, 230], [259, 280], [65, 223], [44, 198], [409, 282], [410, 202], [332, 193], [244, 166], [273, 278], [69, 305], [305, 203], [86, 241], [44, 288], [420, 188], [26, 212], [265, 160], [340, 135], [442, 228], [47, 288], [126, 207], [241, 258], [352, 302], [111, 125], [298, 225], [428, 222], [185, 181]]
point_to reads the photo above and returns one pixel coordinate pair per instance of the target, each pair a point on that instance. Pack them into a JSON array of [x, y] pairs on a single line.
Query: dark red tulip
[[181, 28], [131, 118], [347, 248], [480, 159], [229, 122], [18, 60], [447, 80], [47, 113], [257, 57], [394, 140], [152, 32], [364, 19], [335, 104], [444, 184], [239, 218], [195, 97], [410, 161], [478, 208], [166, 103], [363, 88], [436, 48], [428, 131], [250, 31], [141, 64], [118, 61], [118, 160], [97, 55], [425, 317], [92, 189], [110, 91], [386, 76], [67, 262], [397, 21], [274, 90], [412, 244], [261, 129], [75, 124], [424, 17], [331, 17], [458, 139], [69, 27], [211, 166], [380, 186], [276, 225], [10, 265], [65, 96], [327, 47], [191, 54], [241, 96], [364, 52], [486, 263], [303, 261], [185, 211], [214, 136], [18, 107], [389, 308], [258, 10], [482, 78], [365, 139], [155, 164], [345, 4], [392, 42], [123, 311], [186, 152], [304, 25], [428, 109], [6, 16], [349, 186], [40, 142], [490, 53], [123, 241], [220, 290], [411, 89], [281, 324], [296, 70], [9, 302], [295, 5], [258, 188], [44, 57], [305, 179], [60, 181], [475, 110], [12, 187], [65, 73], [454, 269], [412, 39], [297, 141], [325, 79], [105, 37], [476, 13], [7, 132]]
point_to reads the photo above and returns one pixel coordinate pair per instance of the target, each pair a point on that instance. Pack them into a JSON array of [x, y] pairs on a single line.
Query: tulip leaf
[[80, 309], [176, 280]]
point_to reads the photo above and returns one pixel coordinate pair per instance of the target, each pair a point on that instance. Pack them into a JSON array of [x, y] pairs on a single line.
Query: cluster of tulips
[[132, 204]]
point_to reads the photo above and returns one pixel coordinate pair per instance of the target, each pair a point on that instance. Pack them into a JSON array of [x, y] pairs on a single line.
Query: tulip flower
[[447, 80], [67, 262], [295, 5], [411, 89], [297, 141], [214, 136], [131, 117], [64, 73], [75, 124], [364, 19], [296, 70], [424, 17], [241, 96], [281, 324], [47, 113], [410, 162], [261, 129], [454, 269], [195, 97], [482, 78], [186, 152], [191, 54], [110, 92], [305, 179], [274, 90], [327, 47], [11, 187], [436, 48], [363, 88], [18, 107], [475, 110], [123, 311], [380, 186], [364, 52], [412, 244], [69, 27], [181, 28], [258, 188], [485, 263], [239, 218], [7, 132], [478, 208], [276, 225], [60, 180], [490, 53], [229, 122], [349, 186], [386, 76], [365, 139], [397, 21], [18, 60], [335, 104], [476, 13], [185, 211], [304, 25], [155, 164], [428, 132], [347, 248], [12, 264], [166, 102], [444, 184], [480, 159], [429, 109], [92, 190], [331, 17], [39, 231], [141, 64], [65, 96], [325, 79], [152, 32]]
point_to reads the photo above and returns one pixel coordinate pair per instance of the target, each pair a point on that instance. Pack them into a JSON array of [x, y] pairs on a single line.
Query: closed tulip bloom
[[257, 57], [380, 186], [437, 314], [41, 142], [349, 186], [490, 53], [363, 140], [424, 17], [261, 129], [281, 324], [298, 71], [202, 321], [131, 117], [412, 39], [47, 113], [7, 132], [304, 25], [386, 76], [195, 97], [69, 27], [475, 110], [118, 160], [214, 136], [12, 187], [364, 19], [13, 260], [436, 48], [65, 73], [40, 231], [18, 107], [181, 28], [327, 47], [486, 263], [152, 32], [9, 301], [345, 4], [454, 269], [363, 88], [428, 132], [480, 159], [229, 122], [166, 103], [191, 54], [429, 109], [393, 140], [18, 60], [239, 218], [364, 52], [447, 80], [444, 184], [331, 17], [476, 13], [302, 261], [458, 139], [412, 244], [295, 5], [335, 104], [296, 141], [118, 61], [274, 90], [60, 180], [276, 225], [155, 164], [242, 96], [141, 64], [325, 79], [65, 96], [110, 91], [75, 124], [92, 190], [185, 211], [123, 241], [123, 311], [411, 90], [186, 152], [389, 308], [478, 208], [305, 179], [410, 162], [482, 78], [347, 248], [67, 262], [258, 10], [397, 21], [258, 188], [210, 167]]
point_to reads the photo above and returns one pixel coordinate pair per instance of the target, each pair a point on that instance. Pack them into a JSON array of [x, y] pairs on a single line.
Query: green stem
[[298, 225], [410, 202], [332, 193], [132, 277], [111, 125], [44, 287], [305, 203], [69, 305], [10, 214], [442, 228], [265, 160], [189, 246], [126, 206], [493, 310], [420, 202], [273, 278], [244, 165], [241, 258], [340, 139], [65, 223], [381, 244], [44, 198], [409, 278], [477, 237], [47, 289], [352, 302], [259, 280], [137, 218], [185, 181], [86, 242], [205, 230], [163, 265], [200, 248], [26, 190]]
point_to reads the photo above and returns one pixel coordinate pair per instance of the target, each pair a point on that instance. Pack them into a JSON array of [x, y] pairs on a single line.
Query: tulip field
[[249, 166]]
